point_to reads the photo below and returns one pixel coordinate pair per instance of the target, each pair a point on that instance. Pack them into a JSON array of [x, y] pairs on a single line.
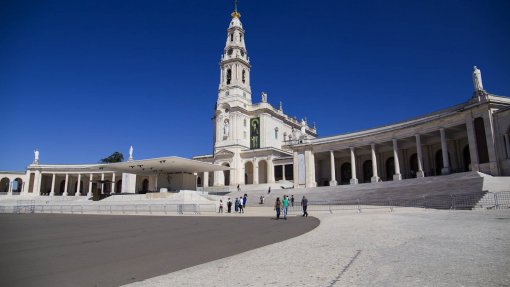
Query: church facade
[[257, 144], [248, 137]]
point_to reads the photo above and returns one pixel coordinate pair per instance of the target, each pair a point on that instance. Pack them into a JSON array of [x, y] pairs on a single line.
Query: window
[[284, 136], [231, 37], [244, 76], [244, 122], [229, 76], [276, 133]]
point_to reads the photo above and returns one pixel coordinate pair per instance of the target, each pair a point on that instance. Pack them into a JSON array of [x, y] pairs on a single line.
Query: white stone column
[[37, 180], [270, 171], [295, 167], [205, 179], [507, 145], [354, 179], [310, 169], [113, 183], [491, 145], [444, 149], [283, 172], [66, 184], [397, 175], [102, 183], [78, 185], [473, 149], [9, 190], [89, 194], [419, 156], [52, 192], [375, 176], [333, 181], [255, 171]]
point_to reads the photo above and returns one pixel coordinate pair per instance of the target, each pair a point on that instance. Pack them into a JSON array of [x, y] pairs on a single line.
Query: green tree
[[115, 157]]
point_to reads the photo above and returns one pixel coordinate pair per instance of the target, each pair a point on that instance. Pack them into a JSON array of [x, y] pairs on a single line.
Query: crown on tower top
[[236, 14]]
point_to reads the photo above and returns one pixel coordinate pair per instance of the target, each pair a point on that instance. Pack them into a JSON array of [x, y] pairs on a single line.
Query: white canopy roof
[[170, 164]]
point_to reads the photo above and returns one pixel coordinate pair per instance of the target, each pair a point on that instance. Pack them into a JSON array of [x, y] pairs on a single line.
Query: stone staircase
[[438, 188]]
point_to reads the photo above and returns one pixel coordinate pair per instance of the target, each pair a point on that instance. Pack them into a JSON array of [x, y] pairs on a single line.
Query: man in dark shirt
[[304, 204]]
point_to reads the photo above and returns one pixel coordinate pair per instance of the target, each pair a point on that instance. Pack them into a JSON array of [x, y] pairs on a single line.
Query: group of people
[[239, 204], [283, 204]]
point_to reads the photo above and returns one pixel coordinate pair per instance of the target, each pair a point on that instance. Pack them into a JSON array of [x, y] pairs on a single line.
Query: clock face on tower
[[242, 53], [230, 51]]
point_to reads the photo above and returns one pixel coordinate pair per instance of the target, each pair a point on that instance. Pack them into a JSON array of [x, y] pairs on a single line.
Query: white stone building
[[248, 137], [256, 144]]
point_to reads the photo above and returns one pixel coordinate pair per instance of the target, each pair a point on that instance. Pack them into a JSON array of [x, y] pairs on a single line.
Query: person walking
[[292, 200], [269, 190], [277, 207], [236, 205], [245, 199], [304, 204], [285, 203], [229, 205], [241, 208], [221, 207], [238, 187]]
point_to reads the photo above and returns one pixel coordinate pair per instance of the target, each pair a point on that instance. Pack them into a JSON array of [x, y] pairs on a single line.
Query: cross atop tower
[[236, 14]]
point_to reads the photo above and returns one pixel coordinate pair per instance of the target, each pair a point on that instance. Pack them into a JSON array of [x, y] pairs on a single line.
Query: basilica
[[258, 145]]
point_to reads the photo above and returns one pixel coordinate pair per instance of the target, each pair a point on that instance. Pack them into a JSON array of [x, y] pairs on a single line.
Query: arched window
[[229, 76], [275, 133], [244, 76], [231, 37], [241, 37]]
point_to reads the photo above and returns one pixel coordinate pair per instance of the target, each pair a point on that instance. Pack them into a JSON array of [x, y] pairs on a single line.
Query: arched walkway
[[262, 171], [18, 185], [4, 185], [226, 174], [118, 188], [466, 156], [439, 161], [248, 173], [390, 168], [145, 186], [367, 170], [345, 173], [62, 187], [413, 165]]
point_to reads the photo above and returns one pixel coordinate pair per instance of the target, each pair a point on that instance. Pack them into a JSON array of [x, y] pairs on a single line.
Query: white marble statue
[[131, 153], [264, 97], [36, 156], [477, 79], [303, 127], [226, 128], [281, 106]]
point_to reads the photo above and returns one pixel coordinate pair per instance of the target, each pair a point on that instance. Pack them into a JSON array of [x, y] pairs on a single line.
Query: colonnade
[[35, 179], [474, 136]]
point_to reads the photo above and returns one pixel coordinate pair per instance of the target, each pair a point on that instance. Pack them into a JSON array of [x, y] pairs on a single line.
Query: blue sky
[[82, 79]]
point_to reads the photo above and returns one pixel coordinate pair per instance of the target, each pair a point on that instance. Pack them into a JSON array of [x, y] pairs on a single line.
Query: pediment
[[224, 154]]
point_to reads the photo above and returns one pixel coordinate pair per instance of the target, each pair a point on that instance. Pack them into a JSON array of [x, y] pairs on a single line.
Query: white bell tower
[[234, 87]]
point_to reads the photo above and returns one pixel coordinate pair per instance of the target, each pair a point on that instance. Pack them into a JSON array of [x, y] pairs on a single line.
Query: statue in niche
[[477, 79], [264, 97], [36, 156], [226, 128]]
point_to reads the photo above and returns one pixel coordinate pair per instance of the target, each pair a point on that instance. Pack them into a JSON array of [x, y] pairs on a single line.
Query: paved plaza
[[98, 250], [409, 247]]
